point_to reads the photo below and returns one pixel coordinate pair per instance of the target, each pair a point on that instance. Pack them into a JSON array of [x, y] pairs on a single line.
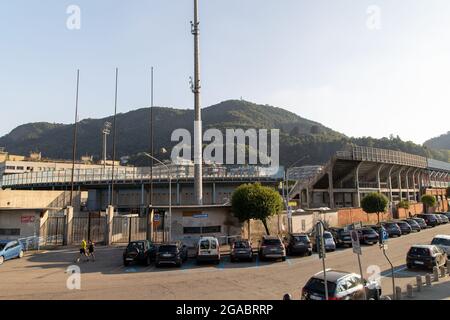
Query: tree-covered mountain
[[298, 136], [441, 142]]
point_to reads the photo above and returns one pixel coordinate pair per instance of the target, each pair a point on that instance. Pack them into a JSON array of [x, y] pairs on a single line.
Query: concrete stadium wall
[[31, 199]]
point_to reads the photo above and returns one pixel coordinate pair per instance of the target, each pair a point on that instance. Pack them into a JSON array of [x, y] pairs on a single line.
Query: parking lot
[[43, 275]]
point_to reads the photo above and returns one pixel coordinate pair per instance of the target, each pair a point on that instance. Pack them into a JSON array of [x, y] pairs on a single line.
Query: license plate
[[166, 255], [242, 252], [418, 262], [129, 259], [315, 297]]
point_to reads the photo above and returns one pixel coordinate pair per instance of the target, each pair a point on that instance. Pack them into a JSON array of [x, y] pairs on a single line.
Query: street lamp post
[[170, 190]]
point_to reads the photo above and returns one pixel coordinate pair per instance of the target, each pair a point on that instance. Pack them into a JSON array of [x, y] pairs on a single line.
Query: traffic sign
[[355, 242], [156, 217]]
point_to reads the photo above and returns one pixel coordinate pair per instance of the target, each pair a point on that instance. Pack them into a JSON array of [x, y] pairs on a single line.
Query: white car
[[208, 249], [443, 242]]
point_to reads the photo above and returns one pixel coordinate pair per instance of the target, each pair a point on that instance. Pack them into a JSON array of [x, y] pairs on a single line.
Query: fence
[[52, 231], [128, 228], [89, 228]]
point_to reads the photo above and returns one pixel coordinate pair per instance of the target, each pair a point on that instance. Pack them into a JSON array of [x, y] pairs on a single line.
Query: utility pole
[[74, 147], [151, 137], [198, 178], [111, 203]]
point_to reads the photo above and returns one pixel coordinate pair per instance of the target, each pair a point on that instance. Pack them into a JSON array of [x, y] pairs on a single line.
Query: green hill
[[298, 136]]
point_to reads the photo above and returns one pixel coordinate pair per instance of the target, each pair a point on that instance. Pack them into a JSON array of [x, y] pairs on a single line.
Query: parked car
[[297, 243], [404, 227], [10, 250], [142, 251], [447, 214], [430, 219], [271, 247], [443, 242], [341, 286], [171, 254], [378, 228], [427, 256], [415, 227], [241, 250], [367, 236], [421, 222], [442, 217], [208, 250], [392, 229], [341, 237], [330, 245]]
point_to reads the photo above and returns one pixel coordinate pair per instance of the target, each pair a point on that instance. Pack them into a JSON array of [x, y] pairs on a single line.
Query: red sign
[[27, 219]]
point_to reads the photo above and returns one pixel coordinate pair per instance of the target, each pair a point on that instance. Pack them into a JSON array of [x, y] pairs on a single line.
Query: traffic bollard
[[419, 283], [443, 271], [435, 274], [428, 280], [409, 291], [398, 293]]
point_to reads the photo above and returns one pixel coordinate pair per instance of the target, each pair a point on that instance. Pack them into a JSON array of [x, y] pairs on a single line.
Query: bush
[[429, 201], [375, 203], [404, 204]]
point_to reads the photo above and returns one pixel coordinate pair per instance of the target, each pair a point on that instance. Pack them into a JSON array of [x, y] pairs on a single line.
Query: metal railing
[[135, 174]]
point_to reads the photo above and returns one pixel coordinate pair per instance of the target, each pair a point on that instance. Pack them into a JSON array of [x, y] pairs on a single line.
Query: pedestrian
[[83, 246], [91, 249]]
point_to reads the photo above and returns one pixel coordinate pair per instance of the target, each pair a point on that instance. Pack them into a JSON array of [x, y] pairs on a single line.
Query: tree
[[404, 204], [374, 203], [253, 201], [429, 201]]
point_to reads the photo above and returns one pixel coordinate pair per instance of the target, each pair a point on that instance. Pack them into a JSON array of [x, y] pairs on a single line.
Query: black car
[[171, 254], [430, 219], [421, 222], [415, 227], [297, 243], [404, 227], [341, 237], [241, 250], [142, 251], [367, 236], [392, 229], [341, 286], [427, 256]]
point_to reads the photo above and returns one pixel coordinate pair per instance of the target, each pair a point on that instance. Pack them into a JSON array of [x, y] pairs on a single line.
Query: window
[[192, 230], [19, 168], [214, 229], [10, 168], [9, 232], [213, 244]]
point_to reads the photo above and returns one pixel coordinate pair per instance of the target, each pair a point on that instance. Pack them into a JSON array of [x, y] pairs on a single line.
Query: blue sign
[[384, 236], [156, 217], [200, 216]]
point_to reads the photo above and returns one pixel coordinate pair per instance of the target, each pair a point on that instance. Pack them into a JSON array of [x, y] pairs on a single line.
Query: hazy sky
[[359, 69]]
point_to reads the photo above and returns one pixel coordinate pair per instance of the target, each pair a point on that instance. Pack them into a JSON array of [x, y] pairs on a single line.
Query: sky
[[364, 68]]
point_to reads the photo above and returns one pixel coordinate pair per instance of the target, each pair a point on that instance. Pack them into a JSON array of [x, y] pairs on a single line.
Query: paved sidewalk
[[438, 291]]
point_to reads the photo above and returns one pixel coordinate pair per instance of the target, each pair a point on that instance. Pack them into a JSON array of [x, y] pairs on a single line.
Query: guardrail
[[135, 174]]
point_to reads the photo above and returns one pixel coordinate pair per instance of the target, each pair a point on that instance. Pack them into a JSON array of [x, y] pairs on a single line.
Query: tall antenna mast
[[198, 178], [74, 147]]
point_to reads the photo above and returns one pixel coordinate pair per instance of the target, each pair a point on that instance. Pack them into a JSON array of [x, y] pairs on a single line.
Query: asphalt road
[[44, 275]]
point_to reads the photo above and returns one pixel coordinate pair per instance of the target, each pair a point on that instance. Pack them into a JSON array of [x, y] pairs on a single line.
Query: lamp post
[[170, 190]]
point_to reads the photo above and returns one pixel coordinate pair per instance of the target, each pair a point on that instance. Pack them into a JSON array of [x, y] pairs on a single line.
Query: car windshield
[[413, 222], [204, 244], [368, 231], [318, 286], [242, 245], [391, 225], [342, 232], [2, 246], [419, 251], [272, 242], [327, 235], [167, 249], [301, 239], [138, 245], [441, 242]]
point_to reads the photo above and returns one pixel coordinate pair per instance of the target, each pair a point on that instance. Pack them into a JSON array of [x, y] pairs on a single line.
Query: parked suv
[[427, 256], [341, 237], [272, 247], [297, 243], [241, 250], [430, 219], [341, 286], [367, 236], [142, 251], [208, 249], [171, 254], [392, 229]]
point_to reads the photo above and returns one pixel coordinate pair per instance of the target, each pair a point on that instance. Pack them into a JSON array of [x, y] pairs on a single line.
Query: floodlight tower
[[106, 131], [195, 86]]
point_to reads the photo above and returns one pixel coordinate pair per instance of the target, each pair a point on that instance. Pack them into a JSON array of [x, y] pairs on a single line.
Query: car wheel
[[283, 259], [148, 261], [409, 266], [179, 265], [20, 254], [1, 260], [126, 263]]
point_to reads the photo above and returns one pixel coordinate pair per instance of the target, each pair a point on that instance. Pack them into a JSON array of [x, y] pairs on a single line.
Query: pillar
[[213, 193], [68, 227], [150, 215], [109, 225], [331, 188], [358, 194]]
